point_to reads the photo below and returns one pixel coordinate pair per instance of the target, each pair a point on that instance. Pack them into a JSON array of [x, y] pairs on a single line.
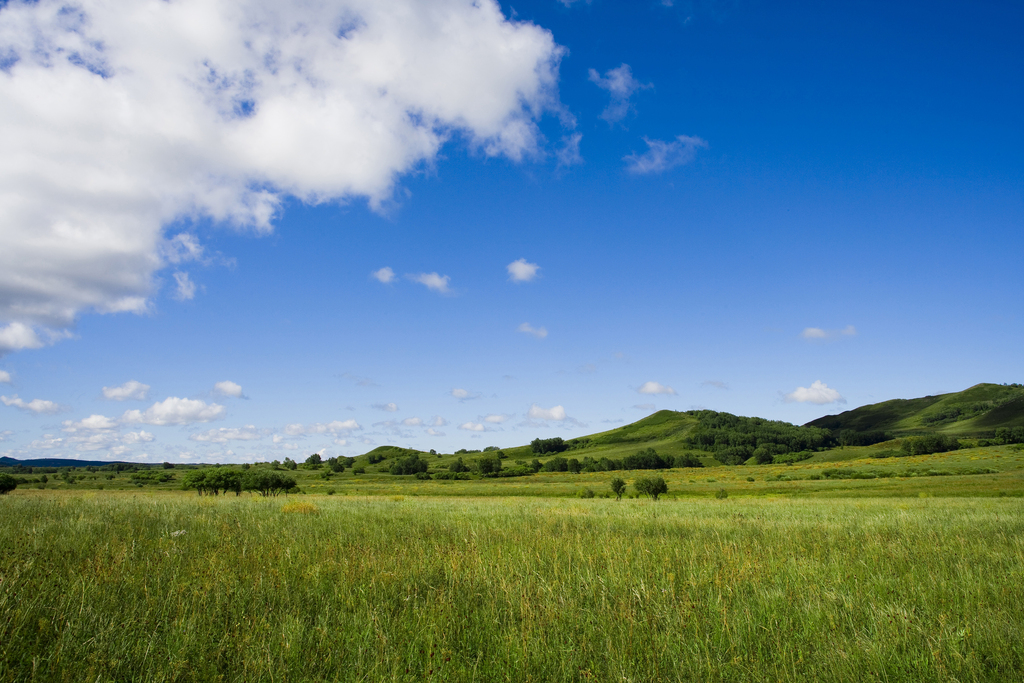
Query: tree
[[651, 486], [336, 465], [7, 483], [266, 482], [314, 460], [290, 464], [618, 487], [553, 445]]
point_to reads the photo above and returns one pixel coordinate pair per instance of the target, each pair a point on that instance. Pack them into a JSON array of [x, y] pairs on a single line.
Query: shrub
[[7, 483], [618, 487], [586, 493], [923, 445], [330, 492], [359, 470], [553, 445], [650, 486], [721, 494]]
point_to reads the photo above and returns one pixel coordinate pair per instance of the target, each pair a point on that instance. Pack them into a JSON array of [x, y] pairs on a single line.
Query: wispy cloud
[[387, 407], [817, 333], [620, 85], [538, 332], [472, 427], [465, 394], [186, 289], [714, 383], [385, 275], [661, 156]]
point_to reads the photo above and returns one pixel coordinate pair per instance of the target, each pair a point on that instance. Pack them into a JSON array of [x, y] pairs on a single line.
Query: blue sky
[[783, 210]]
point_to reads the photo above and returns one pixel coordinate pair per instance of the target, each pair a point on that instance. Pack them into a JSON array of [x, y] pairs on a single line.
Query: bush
[[330, 492], [553, 445], [650, 486], [359, 470], [586, 493], [618, 487], [924, 445], [721, 494], [647, 459], [7, 483]]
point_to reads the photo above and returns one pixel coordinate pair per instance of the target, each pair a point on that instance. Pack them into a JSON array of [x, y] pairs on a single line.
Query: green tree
[[314, 460], [7, 483], [650, 486], [267, 482], [618, 487]]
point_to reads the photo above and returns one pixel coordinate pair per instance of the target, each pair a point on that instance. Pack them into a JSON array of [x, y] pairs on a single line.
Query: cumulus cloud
[[537, 413], [175, 411], [121, 118], [18, 336], [538, 332], [335, 428], [621, 85], [93, 423], [130, 390], [661, 156], [655, 388], [432, 281], [412, 422], [813, 333], [385, 275], [36, 405], [497, 419], [438, 421], [433, 432], [225, 434], [522, 270], [228, 388], [472, 427], [465, 394], [387, 407], [818, 393], [5, 377]]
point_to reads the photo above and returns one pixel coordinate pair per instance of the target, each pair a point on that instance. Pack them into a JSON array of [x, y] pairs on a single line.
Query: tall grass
[[174, 587]]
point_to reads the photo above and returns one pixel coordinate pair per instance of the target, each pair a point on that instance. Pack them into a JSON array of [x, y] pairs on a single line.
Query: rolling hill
[[977, 411]]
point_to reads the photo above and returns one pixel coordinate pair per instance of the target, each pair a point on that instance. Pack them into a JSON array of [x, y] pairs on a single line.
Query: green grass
[[169, 586]]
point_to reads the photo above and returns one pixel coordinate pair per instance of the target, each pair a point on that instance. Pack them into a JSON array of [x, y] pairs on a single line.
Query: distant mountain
[[977, 411], [63, 462]]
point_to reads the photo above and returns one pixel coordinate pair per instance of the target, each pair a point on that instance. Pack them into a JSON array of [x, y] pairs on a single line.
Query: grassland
[[169, 586]]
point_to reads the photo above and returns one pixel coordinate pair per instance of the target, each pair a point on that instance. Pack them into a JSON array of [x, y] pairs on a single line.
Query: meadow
[[169, 586]]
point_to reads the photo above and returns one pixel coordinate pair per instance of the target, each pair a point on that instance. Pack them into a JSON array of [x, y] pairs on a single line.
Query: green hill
[[977, 411]]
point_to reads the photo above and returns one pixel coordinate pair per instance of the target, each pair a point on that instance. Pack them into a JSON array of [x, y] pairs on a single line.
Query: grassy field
[[155, 586]]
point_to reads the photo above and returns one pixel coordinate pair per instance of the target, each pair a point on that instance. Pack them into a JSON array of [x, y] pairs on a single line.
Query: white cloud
[[225, 434], [6, 434], [438, 283], [818, 393], [228, 388], [433, 432], [819, 333], [18, 336], [648, 407], [655, 388], [522, 270], [5, 377], [621, 85], [36, 405], [387, 407], [136, 391], [438, 421], [93, 423], [714, 383], [120, 118], [385, 275], [412, 422], [334, 428], [538, 413], [175, 411], [661, 156], [538, 332], [472, 427], [497, 419], [140, 436], [186, 290], [465, 395]]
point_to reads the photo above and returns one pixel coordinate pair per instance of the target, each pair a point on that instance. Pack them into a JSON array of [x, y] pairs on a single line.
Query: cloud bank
[[122, 117]]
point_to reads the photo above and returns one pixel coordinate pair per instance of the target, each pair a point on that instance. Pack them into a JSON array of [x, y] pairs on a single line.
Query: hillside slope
[[977, 411]]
